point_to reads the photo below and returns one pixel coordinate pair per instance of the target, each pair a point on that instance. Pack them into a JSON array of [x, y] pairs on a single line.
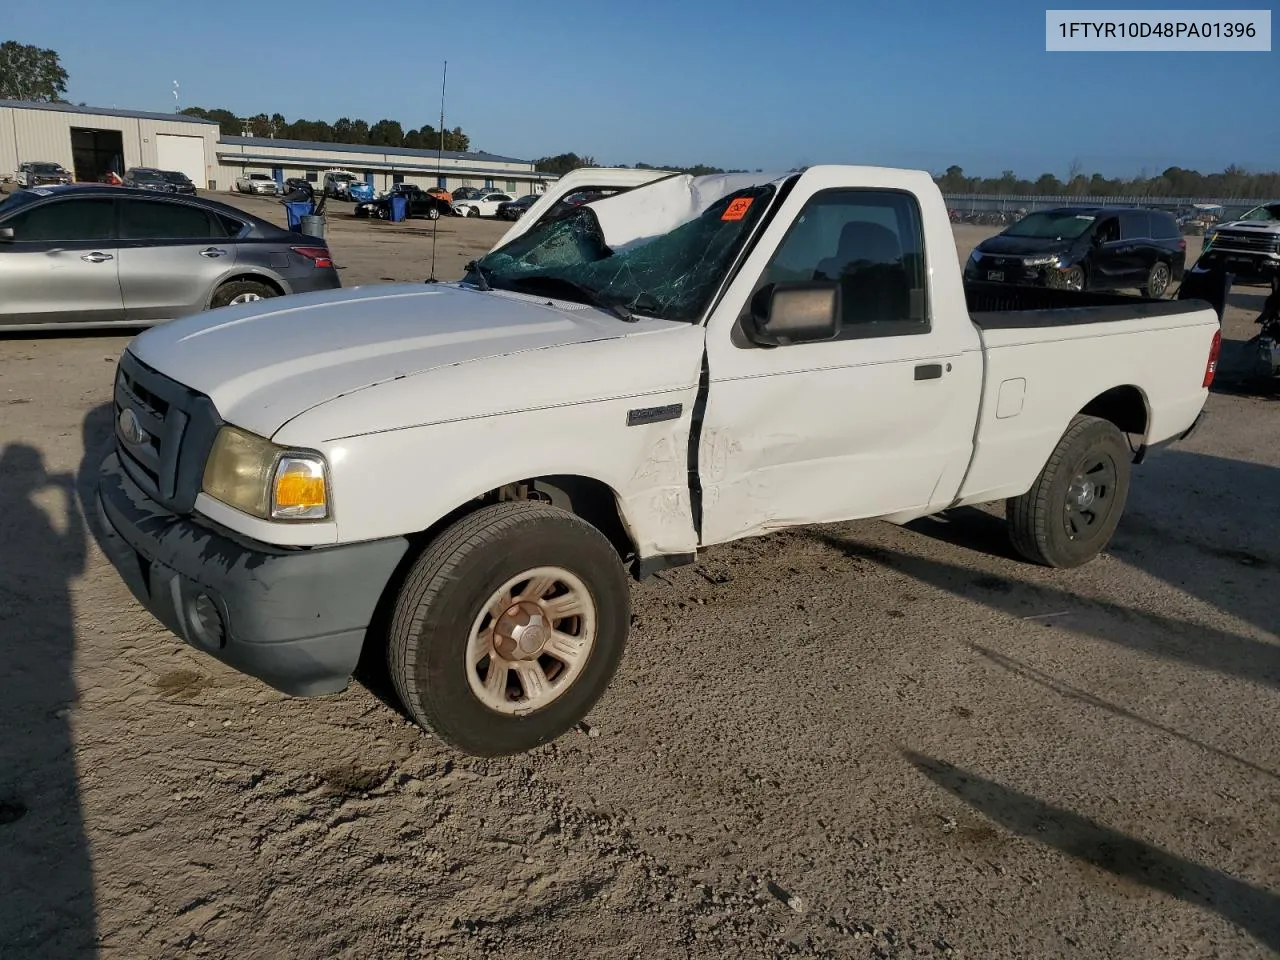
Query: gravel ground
[[850, 741]]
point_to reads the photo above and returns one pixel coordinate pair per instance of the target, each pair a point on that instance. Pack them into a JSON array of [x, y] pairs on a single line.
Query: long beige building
[[90, 141]]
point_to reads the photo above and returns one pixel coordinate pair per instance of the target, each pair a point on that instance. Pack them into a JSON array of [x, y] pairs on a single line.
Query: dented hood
[[265, 363]]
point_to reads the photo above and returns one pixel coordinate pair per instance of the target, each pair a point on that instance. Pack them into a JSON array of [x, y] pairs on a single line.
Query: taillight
[[319, 256], [1182, 244], [1211, 367]]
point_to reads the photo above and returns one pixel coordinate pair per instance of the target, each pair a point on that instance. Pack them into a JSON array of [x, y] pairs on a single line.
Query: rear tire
[[241, 291], [1071, 511], [549, 655], [1158, 280]]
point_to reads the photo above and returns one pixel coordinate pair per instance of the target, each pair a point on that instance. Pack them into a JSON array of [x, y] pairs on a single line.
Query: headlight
[[1054, 260], [264, 480], [976, 255]]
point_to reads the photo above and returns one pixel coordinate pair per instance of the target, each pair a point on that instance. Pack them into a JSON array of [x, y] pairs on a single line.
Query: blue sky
[[702, 81]]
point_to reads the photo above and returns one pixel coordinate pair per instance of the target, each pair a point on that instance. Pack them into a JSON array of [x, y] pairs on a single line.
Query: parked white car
[[257, 183], [611, 390], [485, 205]]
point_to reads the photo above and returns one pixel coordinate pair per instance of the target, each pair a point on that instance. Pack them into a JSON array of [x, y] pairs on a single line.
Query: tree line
[[383, 133], [1234, 181]]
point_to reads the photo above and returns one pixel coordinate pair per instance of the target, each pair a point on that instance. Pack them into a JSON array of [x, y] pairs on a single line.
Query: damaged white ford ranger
[[459, 477]]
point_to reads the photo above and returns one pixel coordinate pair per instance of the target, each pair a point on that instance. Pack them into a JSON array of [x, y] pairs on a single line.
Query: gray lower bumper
[[295, 619]]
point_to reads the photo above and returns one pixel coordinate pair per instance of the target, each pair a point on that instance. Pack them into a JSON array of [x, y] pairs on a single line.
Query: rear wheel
[[1158, 280], [1071, 511], [241, 291], [509, 628]]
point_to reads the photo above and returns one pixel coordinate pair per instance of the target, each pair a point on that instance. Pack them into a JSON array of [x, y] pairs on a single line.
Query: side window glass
[[1134, 225], [871, 242], [227, 226], [65, 220], [1108, 230], [153, 220]]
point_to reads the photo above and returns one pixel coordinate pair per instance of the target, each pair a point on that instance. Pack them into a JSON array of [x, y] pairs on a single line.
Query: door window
[[64, 220], [1108, 231], [871, 242], [155, 220]]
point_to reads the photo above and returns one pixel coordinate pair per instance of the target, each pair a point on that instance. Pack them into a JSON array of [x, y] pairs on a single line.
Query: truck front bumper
[[294, 618]]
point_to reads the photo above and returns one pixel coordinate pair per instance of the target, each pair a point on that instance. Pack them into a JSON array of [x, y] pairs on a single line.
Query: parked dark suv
[[1085, 248]]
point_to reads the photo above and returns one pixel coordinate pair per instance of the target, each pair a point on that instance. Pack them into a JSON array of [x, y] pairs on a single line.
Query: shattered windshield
[[1268, 211], [671, 276]]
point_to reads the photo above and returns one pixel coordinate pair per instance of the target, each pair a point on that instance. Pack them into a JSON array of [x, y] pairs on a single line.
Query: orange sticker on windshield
[[737, 209]]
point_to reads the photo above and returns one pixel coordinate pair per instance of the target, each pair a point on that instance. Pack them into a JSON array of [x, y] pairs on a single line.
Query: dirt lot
[[853, 741]]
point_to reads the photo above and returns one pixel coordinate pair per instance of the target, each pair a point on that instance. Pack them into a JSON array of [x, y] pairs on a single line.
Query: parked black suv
[[179, 182], [1085, 248]]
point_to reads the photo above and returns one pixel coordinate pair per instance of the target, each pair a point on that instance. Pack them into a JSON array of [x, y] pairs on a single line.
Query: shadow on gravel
[[1027, 672], [1251, 908], [46, 873], [1197, 522], [1137, 630]]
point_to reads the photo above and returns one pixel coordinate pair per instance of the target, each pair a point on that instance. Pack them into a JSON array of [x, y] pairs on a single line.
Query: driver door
[[876, 423]]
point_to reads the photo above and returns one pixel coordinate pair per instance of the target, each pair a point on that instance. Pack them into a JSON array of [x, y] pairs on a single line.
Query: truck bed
[[998, 306]]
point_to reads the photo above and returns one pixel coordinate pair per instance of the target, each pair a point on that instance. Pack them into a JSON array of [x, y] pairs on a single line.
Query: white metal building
[[89, 141], [380, 166]]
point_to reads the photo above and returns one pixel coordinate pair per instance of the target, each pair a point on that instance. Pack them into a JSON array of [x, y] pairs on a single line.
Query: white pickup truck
[[465, 474]]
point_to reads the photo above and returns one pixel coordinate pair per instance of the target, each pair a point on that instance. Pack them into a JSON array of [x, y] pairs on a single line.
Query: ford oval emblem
[[130, 429]]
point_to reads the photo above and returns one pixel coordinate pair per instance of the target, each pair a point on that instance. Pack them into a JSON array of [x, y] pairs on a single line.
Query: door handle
[[213, 252], [929, 371], [96, 257]]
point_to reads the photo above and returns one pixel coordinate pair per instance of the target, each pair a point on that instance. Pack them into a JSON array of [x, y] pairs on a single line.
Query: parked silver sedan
[[87, 255]]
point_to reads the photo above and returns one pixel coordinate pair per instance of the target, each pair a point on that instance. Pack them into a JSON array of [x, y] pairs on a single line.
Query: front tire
[[1071, 511], [509, 628], [1074, 279]]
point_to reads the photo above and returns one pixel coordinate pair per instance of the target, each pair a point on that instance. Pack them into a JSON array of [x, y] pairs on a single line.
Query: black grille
[[178, 428], [1239, 240]]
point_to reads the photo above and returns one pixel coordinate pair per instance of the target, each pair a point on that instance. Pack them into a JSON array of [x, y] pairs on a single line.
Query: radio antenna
[[435, 224]]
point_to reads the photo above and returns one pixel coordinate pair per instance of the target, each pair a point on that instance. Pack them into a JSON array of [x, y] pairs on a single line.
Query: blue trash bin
[[399, 207], [295, 210]]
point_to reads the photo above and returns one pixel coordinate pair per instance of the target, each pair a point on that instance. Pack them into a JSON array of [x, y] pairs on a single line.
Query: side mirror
[[787, 313], [6, 234]]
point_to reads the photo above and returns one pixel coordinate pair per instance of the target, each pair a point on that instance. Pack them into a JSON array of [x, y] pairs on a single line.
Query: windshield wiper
[[474, 266], [579, 292]]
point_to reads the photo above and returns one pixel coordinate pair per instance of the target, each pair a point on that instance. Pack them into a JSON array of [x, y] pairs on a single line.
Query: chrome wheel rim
[[1159, 280], [1090, 496], [246, 298], [531, 641]]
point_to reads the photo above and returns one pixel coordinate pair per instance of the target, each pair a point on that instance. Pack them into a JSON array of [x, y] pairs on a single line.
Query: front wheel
[[1071, 511], [433, 214], [509, 628], [1073, 278]]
